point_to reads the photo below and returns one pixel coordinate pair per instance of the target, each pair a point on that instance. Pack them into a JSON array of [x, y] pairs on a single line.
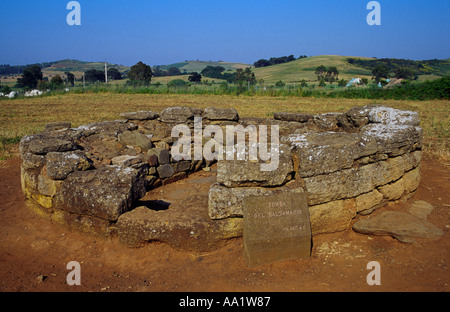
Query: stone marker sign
[[276, 228]]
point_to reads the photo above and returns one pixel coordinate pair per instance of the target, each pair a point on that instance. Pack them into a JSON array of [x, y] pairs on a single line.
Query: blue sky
[[169, 31]]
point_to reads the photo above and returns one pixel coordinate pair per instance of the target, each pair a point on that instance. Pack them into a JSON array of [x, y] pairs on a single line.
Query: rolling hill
[[304, 68], [77, 67], [198, 66]]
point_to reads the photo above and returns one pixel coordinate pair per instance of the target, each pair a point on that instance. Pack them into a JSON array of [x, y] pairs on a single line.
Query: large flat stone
[[394, 139], [214, 113], [241, 173], [103, 193], [327, 152], [403, 226], [349, 183], [192, 231], [179, 114], [60, 165]]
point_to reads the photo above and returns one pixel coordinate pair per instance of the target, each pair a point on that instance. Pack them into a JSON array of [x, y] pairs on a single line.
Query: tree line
[[385, 68], [276, 60]]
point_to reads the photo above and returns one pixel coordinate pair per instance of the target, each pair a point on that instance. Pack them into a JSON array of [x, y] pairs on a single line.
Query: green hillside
[[198, 66], [295, 71], [305, 68], [76, 67]]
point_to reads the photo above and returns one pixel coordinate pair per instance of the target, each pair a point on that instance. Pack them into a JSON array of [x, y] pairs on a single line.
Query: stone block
[[141, 115], [225, 202], [394, 140], [327, 152], [162, 154], [165, 171], [60, 165], [103, 193], [333, 216], [234, 173], [135, 139], [276, 228], [368, 201], [179, 114], [214, 113], [349, 183]]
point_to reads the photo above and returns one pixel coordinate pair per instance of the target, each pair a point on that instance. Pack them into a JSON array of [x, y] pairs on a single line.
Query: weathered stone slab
[[162, 154], [276, 228], [333, 216], [365, 203], [420, 209], [103, 193], [234, 173], [135, 138], [214, 113], [126, 160], [327, 152], [60, 165], [225, 202], [179, 114], [165, 171], [58, 126], [191, 230], [393, 116], [403, 226], [394, 139], [141, 115], [352, 182], [49, 144]]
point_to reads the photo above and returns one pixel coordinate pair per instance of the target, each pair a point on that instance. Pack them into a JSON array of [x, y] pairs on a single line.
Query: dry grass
[[25, 116]]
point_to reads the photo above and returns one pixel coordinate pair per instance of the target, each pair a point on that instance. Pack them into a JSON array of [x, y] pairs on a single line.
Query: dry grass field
[[29, 115]]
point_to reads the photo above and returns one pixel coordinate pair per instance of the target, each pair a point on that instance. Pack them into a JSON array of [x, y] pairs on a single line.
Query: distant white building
[[33, 93], [353, 81]]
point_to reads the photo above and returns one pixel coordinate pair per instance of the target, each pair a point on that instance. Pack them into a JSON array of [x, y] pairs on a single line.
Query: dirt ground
[[34, 254]]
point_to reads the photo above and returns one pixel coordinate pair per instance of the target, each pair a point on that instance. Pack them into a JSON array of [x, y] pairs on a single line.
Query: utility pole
[[84, 81], [106, 73]]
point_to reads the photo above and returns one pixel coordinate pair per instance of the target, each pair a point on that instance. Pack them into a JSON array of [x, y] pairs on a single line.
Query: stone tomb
[[92, 178], [276, 228]]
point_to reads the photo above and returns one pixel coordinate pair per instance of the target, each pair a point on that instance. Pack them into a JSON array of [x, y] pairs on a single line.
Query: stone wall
[[88, 178]]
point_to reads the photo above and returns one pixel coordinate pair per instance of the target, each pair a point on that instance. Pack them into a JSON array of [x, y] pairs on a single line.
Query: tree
[[213, 72], [322, 83], [30, 77], [140, 73], [245, 76], [70, 78], [173, 71], [320, 72], [195, 77], [280, 84], [56, 82], [404, 72], [380, 71], [94, 75], [114, 74], [332, 74]]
